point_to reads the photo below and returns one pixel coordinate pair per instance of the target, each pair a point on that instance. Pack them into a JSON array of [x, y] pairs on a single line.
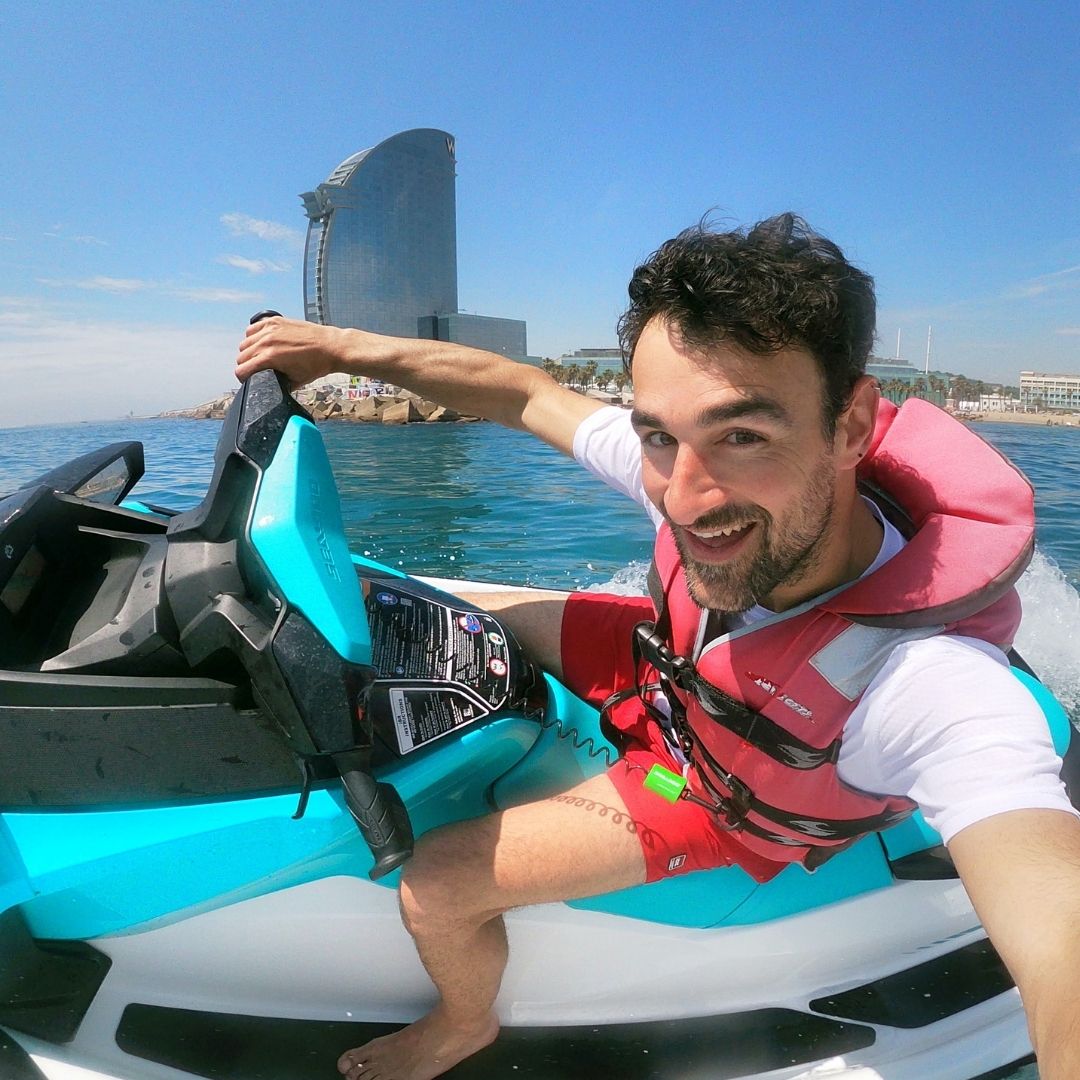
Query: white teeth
[[713, 533]]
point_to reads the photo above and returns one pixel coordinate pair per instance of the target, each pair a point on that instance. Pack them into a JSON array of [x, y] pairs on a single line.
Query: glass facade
[[889, 370], [382, 236], [607, 359], [503, 336]]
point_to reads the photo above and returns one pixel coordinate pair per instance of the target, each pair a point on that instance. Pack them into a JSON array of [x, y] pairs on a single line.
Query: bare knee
[[444, 884]]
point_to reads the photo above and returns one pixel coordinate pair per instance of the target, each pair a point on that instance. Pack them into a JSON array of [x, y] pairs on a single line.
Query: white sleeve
[[608, 447], [946, 724]]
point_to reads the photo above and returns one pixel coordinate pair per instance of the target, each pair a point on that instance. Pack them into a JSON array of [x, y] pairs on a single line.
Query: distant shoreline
[[414, 409], [1031, 419]]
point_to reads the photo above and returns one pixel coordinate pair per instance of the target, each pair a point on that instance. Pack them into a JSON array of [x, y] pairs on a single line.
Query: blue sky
[[153, 154]]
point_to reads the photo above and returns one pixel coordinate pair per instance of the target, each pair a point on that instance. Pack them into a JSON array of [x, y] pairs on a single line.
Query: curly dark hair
[[774, 286]]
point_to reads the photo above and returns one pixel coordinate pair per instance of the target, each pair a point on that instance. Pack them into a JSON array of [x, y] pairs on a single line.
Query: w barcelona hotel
[[381, 250]]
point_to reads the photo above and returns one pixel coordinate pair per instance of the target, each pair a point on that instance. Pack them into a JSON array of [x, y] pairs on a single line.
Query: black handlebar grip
[[382, 818], [260, 376]]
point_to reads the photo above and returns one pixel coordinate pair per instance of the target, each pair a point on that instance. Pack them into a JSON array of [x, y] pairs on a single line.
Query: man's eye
[[744, 438], [657, 438]]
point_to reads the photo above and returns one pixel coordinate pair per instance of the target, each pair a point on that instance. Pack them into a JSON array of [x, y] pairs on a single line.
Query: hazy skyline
[[153, 159]]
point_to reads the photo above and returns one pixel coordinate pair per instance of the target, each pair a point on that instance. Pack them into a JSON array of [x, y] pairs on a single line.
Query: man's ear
[[855, 425]]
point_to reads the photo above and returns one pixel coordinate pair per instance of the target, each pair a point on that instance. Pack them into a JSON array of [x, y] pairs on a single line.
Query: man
[[753, 416]]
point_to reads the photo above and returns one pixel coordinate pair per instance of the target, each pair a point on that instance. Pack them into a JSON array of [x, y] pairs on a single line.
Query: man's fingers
[[246, 366], [278, 343], [248, 360]]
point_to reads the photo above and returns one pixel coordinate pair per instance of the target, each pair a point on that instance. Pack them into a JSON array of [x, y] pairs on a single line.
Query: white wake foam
[[1049, 637], [629, 581]]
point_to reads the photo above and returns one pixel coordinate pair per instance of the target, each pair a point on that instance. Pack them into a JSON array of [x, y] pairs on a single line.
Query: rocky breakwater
[[208, 410], [400, 408]]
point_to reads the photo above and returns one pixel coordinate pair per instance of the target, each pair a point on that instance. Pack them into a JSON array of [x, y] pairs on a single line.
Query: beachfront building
[[608, 361], [504, 336], [900, 380], [381, 249], [892, 369], [1039, 390], [597, 372]]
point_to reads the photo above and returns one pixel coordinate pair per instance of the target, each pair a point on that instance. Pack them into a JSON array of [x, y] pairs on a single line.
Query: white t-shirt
[[944, 722]]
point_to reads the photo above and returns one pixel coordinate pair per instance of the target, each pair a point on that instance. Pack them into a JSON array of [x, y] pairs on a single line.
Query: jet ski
[[221, 733]]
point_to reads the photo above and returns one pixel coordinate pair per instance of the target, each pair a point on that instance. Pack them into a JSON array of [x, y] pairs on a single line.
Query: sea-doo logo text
[[760, 680], [771, 688], [320, 532]]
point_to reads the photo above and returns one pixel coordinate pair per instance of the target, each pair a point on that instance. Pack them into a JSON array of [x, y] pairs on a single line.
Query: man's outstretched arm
[[468, 380], [1022, 872], [534, 617]]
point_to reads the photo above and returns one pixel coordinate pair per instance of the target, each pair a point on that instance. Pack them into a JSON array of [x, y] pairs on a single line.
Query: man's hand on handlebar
[[302, 351]]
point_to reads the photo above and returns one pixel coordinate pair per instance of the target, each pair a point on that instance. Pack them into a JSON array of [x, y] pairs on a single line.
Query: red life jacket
[[765, 706]]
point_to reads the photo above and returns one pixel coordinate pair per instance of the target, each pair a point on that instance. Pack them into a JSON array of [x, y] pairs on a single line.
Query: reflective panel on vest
[[851, 660]]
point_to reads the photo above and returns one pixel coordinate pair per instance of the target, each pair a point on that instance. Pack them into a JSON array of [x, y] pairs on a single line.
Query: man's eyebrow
[[762, 408]]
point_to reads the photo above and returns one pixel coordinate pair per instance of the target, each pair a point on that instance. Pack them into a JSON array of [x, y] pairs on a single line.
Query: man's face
[[735, 456]]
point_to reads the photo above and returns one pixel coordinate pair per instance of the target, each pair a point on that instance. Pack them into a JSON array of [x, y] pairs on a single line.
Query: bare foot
[[421, 1051]]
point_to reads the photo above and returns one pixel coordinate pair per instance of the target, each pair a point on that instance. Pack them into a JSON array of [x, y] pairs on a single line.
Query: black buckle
[[733, 808], [650, 646], [737, 804], [672, 669]]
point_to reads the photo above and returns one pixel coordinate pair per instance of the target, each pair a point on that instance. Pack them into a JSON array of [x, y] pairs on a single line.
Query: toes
[[349, 1065]]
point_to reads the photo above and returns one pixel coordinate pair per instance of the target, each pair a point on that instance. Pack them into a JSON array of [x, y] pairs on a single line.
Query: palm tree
[[896, 390], [964, 390]]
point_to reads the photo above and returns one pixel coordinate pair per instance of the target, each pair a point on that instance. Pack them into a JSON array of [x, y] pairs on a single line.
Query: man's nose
[[693, 488]]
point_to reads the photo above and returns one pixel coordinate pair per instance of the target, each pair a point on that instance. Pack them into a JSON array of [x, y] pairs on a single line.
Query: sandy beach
[[1038, 419]]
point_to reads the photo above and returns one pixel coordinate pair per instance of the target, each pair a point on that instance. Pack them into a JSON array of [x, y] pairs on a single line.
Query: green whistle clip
[[665, 783]]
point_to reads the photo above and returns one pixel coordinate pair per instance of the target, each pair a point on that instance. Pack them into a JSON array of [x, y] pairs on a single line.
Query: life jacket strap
[[741, 802], [822, 837], [649, 645], [610, 730], [750, 726], [671, 670]]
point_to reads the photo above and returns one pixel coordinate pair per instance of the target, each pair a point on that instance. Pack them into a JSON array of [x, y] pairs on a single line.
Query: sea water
[[477, 501], [480, 502]]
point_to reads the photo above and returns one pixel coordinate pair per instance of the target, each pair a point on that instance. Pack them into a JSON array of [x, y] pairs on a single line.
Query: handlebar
[[379, 813], [220, 583]]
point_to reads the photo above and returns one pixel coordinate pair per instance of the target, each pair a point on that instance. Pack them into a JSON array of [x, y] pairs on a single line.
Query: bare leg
[[454, 892]]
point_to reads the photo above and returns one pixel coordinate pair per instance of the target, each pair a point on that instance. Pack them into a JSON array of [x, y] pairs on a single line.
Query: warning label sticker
[[439, 667]]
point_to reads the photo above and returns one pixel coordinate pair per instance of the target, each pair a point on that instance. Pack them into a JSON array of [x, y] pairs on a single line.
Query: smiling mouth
[[713, 544]]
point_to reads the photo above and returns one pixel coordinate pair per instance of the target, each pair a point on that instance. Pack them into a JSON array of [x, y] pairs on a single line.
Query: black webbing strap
[[656, 589], [750, 726], [743, 801], [609, 730]]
